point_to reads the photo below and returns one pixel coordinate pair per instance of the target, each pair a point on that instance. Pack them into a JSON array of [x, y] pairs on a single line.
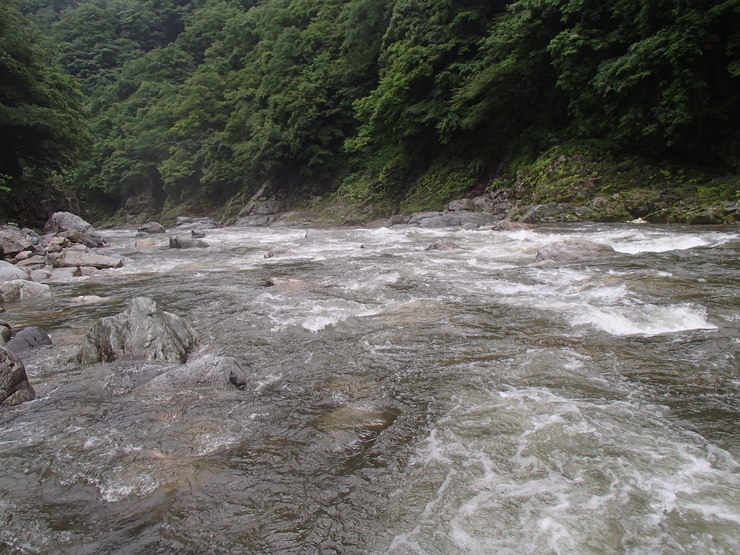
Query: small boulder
[[28, 339], [573, 250], [151, 227], [141, 331], [287, 283], [14, 385], [23, 289], [197, 234], [206, 371], [187, 243]]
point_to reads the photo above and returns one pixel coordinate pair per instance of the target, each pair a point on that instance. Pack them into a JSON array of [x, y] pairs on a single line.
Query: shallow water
[[400, 400]]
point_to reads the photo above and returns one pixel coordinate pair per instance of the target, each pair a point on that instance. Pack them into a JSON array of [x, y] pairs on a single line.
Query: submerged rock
[[443, 246], [141, 331], [14, 385], [28, 339], [206, 371], [573, 250]]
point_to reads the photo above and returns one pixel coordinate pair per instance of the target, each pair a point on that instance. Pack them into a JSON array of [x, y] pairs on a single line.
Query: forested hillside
[[393, 103]]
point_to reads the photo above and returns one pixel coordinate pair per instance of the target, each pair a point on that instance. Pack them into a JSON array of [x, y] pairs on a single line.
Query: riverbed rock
[[28, 339], [573, 250], [14, 385], [74, 228], [205, 371], [14, 241], [10, 272], [34, 261], [72, 258], [141, 331], [151, 227], [23, 289], [178, 242]]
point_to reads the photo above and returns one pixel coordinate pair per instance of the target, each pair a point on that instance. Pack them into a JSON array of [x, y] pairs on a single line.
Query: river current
[[401, 400]]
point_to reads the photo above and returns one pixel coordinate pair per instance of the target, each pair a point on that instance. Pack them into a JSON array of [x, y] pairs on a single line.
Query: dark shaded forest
[[146, 105]]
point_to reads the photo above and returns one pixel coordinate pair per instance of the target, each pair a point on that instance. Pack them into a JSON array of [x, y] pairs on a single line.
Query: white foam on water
[[553, 474], [642, 319]]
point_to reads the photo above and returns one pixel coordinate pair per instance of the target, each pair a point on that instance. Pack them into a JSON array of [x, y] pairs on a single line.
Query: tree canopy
[[204, 99]]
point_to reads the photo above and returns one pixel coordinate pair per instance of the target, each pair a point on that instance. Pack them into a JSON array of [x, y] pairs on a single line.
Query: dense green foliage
[[41, 125], [200, 100]]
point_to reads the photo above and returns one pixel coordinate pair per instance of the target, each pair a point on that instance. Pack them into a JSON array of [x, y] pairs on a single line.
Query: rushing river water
[[400, 400]]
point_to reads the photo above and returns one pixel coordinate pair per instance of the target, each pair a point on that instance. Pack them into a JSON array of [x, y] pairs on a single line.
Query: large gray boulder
[[206, 371], [573, 250], [73, 258], [28, 339], [9, 272], [141, 331], [74, 228], [23, 289], [14, 385]]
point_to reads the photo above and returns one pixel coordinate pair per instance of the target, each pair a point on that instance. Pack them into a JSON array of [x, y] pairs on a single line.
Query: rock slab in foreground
[[573, 250], [14, 385], [142, 331]]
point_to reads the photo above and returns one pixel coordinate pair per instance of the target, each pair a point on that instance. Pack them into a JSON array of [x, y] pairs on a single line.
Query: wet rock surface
[[141, 331]]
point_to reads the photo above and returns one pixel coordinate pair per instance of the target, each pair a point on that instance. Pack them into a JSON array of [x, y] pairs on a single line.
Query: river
[[401, 400]]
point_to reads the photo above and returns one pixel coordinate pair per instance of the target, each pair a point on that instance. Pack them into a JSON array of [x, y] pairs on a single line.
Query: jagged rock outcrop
[[14, 385], [141, 331]]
